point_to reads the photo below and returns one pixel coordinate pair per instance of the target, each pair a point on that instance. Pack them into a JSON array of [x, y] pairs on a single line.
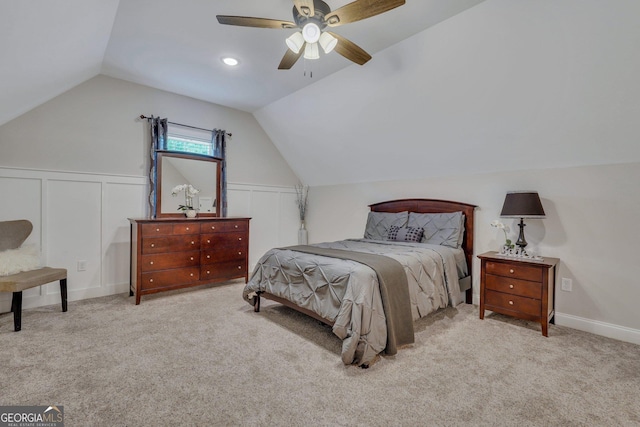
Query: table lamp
[[522, 204]]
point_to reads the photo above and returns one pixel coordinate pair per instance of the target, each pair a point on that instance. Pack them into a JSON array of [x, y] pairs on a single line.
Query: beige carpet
[[202, 357]]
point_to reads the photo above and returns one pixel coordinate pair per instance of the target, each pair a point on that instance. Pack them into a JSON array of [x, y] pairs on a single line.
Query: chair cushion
[[29, 279], [14, 233]]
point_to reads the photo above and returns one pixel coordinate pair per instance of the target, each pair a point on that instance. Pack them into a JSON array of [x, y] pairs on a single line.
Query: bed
[[414, 259]]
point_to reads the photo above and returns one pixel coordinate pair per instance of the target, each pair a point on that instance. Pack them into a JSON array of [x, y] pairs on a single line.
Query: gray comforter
[[347, 293]]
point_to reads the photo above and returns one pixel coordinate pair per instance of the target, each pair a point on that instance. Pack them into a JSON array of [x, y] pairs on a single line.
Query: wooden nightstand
[[520, 288]]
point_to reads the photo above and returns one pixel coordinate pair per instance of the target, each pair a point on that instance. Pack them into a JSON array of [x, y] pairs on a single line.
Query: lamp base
[[522, 242]]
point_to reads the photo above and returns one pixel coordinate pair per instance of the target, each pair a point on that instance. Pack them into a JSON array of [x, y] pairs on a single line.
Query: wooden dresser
[[176, 253], [520, 288]]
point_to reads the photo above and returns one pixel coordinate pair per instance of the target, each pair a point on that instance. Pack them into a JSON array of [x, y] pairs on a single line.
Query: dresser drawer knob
[[157, 229], [511, 271], [193, 243], [213, 227], [191, 258], [151, 280], [240, 238], [510, 302], [151, 263], [191, 274], [236, 226], [239, 267], [208, 272], [187, 228], [208, 241], [208, 256], [153, 245], [239, 253], [510, 286]]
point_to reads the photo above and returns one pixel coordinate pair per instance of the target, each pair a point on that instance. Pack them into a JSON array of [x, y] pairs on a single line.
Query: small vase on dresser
[[302, 234]]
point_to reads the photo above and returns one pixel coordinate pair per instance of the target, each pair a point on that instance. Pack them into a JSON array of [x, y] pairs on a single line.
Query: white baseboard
[[608, 330]]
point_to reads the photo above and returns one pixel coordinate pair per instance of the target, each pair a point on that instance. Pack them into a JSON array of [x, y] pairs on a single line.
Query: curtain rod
[[142, 116]]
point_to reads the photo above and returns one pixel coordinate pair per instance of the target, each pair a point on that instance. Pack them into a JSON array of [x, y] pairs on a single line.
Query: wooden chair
[[12, 235]]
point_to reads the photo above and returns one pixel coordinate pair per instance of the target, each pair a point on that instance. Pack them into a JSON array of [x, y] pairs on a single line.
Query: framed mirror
[[175, 171]]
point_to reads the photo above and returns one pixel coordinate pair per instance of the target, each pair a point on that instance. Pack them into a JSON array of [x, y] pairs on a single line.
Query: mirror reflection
[[201, 173]]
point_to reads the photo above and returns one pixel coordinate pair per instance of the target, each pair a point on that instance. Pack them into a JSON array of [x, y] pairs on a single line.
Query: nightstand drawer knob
[[151, 263], [510, 302], [510, 286], [153, 245], [191, 258], [187, 228], [236, 226], [511, 271]]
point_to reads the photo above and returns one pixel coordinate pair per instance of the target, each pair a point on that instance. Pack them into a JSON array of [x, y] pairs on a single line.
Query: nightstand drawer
[[508, 285], [515, 270], [509, 302]]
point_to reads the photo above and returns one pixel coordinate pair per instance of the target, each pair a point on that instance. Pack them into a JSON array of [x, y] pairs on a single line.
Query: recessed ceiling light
[[232, 62]]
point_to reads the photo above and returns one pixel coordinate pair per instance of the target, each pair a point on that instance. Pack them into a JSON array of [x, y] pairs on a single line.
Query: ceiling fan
[[312, 17]]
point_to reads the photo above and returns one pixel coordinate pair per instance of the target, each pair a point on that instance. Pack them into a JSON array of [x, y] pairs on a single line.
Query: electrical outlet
[[82, 265], [567, 284]]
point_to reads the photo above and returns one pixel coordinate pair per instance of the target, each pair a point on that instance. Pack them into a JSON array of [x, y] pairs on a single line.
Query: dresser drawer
[[149, 230], [164, 261], [224, 270], [214, 256], [514, 270], [186, 228], [224, 241], [154, 245], [168, 278], [508, 285], [224, 226], [516, 303]]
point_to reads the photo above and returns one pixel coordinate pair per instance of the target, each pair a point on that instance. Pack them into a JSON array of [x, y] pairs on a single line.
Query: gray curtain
[[158, 129], [219, 142]]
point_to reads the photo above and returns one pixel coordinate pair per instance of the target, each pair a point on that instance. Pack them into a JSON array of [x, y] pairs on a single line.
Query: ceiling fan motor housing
[[321, 9]]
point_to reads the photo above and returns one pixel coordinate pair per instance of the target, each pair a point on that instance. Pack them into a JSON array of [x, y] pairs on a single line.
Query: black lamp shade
[[522, 204]]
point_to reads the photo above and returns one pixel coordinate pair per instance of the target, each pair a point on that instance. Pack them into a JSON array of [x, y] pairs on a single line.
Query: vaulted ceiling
[[50, 46], [455, 86]]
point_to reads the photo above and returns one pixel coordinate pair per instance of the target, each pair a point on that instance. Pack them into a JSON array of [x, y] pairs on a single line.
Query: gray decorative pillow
[[378, 224], [405, 234], [445, 229]]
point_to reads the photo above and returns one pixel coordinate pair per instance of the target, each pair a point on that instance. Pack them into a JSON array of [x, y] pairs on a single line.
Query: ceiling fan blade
[[360, 9], [305, 7], [350, 50], [290, 58], [246, 21]]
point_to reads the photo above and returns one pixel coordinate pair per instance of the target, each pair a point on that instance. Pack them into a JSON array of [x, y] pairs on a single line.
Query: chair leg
[[63, 293], [16, 307]]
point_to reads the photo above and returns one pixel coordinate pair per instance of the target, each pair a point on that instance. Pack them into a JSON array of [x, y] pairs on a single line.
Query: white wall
[[591, 225], [76, 167], [94, 128], [505, 85]]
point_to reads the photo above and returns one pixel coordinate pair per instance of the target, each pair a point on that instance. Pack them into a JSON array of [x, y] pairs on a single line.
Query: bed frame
[[401, 205]]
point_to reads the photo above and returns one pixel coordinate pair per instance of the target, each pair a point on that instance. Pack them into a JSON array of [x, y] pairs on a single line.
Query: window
[[184, 139], [189, 145]]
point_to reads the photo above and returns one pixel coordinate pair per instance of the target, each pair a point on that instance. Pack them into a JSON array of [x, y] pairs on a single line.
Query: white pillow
[[24, 258]]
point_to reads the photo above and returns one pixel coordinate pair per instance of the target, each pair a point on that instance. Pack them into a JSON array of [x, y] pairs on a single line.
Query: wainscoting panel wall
[[80, 223]]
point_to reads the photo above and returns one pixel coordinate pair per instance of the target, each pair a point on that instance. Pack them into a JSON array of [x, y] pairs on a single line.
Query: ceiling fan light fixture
[[311, 51], [311, 32], [295, 42], [328, 42]]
